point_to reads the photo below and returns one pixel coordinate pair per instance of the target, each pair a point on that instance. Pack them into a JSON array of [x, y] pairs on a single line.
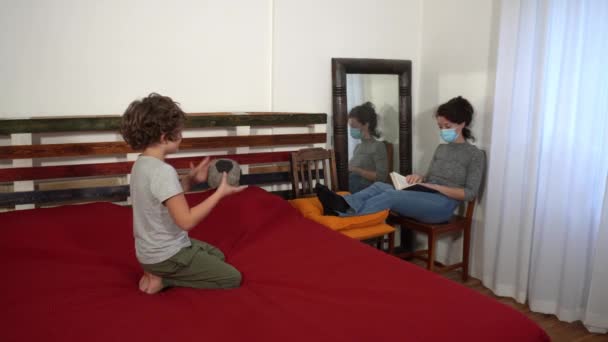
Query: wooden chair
[[310, 166], [458, 223], [318, 165]]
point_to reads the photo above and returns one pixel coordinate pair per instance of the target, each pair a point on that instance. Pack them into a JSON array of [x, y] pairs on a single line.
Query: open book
[[399, 181]]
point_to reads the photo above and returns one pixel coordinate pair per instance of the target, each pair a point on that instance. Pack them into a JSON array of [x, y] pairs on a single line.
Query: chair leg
[[391, 243], [430, 264], [466, 242]]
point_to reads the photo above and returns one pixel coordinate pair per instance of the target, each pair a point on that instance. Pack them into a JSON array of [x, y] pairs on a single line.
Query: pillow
[[312, 209]]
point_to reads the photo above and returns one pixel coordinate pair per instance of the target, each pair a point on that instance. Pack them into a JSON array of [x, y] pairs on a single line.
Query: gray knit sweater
[[370, 155], [458, 165]]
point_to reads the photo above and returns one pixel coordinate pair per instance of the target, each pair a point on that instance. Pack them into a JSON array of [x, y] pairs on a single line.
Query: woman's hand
[[414, 178]]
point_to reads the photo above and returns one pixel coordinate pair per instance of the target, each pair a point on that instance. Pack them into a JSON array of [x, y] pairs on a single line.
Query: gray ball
[[218, 166]]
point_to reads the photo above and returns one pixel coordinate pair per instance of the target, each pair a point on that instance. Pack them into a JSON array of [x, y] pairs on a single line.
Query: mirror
[[382, 91], [355, 81]]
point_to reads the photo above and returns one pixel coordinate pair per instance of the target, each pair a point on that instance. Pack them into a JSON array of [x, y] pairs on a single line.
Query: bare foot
[[143, 282], [150, 284]]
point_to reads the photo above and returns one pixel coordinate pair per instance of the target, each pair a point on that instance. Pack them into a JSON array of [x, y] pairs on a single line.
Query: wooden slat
[[64, 171], [265, 178], [286, 194], [195, 120], [110, 123], [110, 148], [67, 195], [257, 119], [283, 167], [122, 168], [255, 179], [75, 183], [243, 159], [114, 192]]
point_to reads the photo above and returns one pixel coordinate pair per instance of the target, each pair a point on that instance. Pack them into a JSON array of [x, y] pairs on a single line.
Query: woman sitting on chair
[[453, 176], [369, 163]]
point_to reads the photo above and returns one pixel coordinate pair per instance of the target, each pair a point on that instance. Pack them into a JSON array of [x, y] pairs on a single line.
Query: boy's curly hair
[[147, 119]]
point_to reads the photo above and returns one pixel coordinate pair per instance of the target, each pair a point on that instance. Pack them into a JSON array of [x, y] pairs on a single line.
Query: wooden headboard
[[96, 166]]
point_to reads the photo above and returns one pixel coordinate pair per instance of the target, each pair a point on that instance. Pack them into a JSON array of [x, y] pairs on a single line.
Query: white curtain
[[545, 236]]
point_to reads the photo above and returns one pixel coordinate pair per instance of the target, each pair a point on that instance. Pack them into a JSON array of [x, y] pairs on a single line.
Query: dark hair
[[147, 119], [366, 114], [458, 110]]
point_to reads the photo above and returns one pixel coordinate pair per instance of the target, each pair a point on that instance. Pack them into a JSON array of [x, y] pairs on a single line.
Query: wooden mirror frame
[[340, 67]]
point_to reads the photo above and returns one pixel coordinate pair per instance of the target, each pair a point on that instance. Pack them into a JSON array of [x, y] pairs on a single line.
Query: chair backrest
[[469, 209], [311, 166]]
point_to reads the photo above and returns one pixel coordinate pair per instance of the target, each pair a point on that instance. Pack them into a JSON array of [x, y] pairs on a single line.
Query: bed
[[70, 273]]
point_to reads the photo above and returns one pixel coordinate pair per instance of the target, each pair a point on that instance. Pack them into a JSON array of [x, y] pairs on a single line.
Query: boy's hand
[[199, 173], [226, 189]]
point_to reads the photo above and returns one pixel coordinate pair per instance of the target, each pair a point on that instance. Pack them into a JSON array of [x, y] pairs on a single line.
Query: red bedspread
[[70, 274]]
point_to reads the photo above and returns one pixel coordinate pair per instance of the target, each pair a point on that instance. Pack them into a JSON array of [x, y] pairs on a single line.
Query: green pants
[[199, 266]]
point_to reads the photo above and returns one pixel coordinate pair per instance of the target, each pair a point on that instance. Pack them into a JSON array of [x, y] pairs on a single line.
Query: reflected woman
[[369, 163]]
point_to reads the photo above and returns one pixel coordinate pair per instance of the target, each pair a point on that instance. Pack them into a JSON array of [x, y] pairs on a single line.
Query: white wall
[[458, 57], [76, 57], [307, 34], [72, 57]]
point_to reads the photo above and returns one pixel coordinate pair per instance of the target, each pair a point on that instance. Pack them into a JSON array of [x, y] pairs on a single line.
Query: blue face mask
[[448, 134], [355, 133]]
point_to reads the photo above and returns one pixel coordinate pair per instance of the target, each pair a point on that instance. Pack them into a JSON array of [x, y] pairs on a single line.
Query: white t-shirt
[[157, 237]]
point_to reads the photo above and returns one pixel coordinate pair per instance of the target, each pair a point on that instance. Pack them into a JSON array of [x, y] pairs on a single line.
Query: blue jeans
[[422, 206], [357, 183]]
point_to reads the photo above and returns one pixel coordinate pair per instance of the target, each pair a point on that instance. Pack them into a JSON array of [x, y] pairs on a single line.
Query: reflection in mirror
[[382, 91], [381, 94]]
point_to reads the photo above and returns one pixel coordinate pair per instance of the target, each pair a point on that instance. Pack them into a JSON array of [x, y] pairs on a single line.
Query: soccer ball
[[218, 166]]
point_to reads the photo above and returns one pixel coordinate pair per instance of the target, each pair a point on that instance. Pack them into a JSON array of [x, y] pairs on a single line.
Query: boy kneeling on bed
[[161, 214]]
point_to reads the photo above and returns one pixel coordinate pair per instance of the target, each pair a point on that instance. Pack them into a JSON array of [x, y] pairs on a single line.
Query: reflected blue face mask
[[448, 134], [355, 133]]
